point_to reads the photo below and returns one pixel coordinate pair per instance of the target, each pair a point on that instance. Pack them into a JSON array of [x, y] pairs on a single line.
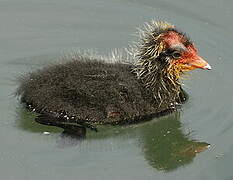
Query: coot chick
[[85, 91]]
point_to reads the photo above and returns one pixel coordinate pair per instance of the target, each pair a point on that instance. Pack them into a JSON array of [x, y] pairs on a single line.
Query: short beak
[[200, 63]]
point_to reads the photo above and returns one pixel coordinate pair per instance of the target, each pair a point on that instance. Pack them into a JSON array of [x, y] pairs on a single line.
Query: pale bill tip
[[208, 67]]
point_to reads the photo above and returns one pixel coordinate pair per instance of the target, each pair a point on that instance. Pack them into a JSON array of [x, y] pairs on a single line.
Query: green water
[[35, 33]]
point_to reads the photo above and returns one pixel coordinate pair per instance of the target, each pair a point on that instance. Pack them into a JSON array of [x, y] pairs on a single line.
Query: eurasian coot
[[86, 91]]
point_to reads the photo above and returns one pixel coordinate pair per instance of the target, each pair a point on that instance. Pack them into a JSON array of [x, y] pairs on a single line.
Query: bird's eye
[[176, 54]]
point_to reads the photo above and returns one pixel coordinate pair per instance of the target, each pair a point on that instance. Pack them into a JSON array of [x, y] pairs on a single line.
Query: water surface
[[35, 33]]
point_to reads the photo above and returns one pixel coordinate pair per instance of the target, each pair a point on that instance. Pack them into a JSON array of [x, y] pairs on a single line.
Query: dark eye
[[176, 54]]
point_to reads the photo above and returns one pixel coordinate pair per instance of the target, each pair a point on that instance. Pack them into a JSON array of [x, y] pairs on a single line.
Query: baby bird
[[86, 92]]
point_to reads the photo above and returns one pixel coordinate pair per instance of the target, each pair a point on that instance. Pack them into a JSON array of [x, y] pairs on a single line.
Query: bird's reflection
[[165, 145], [26, 121], [162, 140]]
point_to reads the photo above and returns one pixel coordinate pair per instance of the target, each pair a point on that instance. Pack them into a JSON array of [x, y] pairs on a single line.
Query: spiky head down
[[162, 55]]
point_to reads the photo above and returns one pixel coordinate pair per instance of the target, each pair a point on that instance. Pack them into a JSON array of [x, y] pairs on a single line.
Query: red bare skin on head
[[189, 58], [190, 54], [172, 38]]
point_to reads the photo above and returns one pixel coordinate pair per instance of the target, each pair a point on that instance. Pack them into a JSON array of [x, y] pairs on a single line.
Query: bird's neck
[[161, 80]]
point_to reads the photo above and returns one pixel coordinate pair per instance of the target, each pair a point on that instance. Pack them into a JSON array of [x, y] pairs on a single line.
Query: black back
[[87, 92]]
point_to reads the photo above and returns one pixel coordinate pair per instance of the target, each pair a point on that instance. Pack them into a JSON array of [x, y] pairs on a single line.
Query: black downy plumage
[[87, 91]]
